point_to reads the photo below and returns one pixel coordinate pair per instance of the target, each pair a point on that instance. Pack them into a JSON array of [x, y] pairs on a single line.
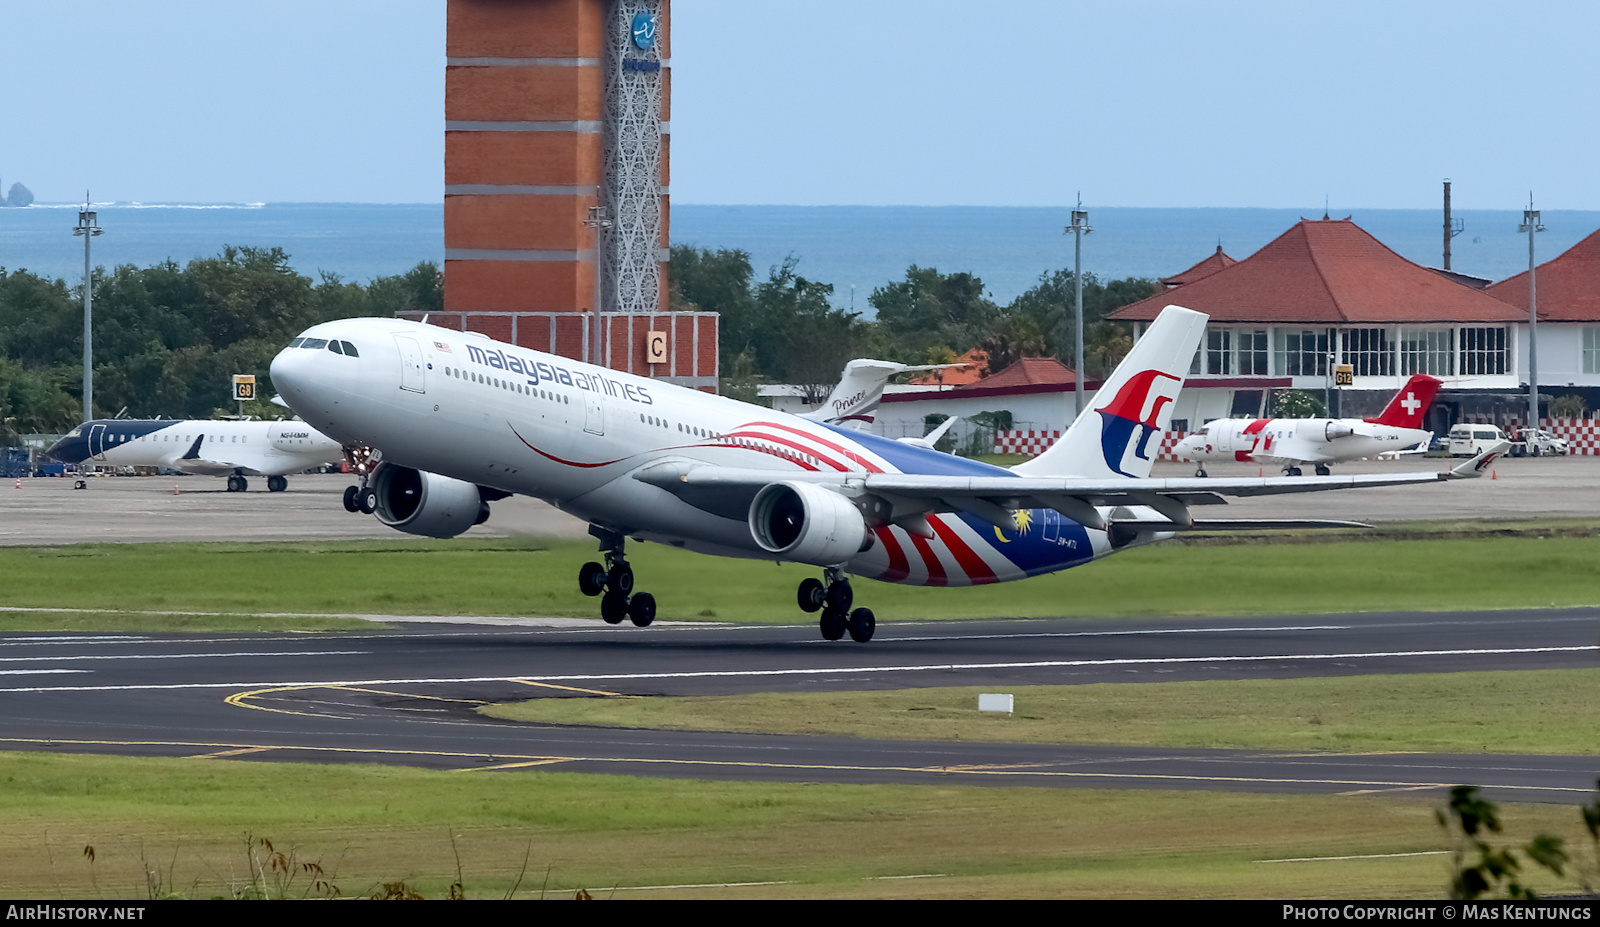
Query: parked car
[[1532, 442], [1469, 440]]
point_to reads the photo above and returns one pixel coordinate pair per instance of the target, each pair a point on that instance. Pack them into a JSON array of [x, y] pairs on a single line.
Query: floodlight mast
[[1531, 224], [88, 227], [1078, 229], [599, 221]]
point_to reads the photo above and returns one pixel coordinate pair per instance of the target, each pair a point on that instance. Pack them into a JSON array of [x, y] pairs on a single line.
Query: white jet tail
[[1120, 433], [860, 389]]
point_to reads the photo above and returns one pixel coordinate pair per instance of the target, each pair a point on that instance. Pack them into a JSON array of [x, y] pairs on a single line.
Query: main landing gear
[[360, 499], [614, 580], [238, 484], [833, 599], [1200, 472]]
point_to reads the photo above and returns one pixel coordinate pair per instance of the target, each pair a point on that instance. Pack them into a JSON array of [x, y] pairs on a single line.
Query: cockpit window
[[334, 347], [296, 343], [349, 349], [314, 344]]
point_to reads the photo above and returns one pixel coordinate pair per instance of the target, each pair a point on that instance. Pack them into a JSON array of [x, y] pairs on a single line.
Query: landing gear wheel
[[591, 578], [614, 608], [840, 595], [620, 579], [862, 624], [352, 499], [80, 484], [812, 595], [1200, 473], [277, 484], [832, 624], [1322, 470], [642, 609], [244, 484], [369, 501], [1291, 471]]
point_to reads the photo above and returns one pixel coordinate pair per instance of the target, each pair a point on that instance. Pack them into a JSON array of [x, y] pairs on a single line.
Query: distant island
[[18, 196]]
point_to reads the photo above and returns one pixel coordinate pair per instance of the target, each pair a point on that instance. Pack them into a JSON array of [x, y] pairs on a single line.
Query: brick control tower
[[554, 109]]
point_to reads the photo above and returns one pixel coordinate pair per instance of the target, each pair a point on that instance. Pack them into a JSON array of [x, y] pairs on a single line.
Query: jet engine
[[419, 502], [1135, 526], [808, 524], [1337, 430]]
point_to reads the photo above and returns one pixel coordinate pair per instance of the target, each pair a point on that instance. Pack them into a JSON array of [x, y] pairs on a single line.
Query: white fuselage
[[466, 407], [1293, 441], [215, 448]]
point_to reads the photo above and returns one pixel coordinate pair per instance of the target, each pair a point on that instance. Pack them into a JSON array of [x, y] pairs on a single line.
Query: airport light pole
[[599, 222], [1530, 224], [1078, 229], [88, 227]]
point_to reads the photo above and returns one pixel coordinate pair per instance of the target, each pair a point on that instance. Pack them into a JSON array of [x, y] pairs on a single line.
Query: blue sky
[[1274, 104]]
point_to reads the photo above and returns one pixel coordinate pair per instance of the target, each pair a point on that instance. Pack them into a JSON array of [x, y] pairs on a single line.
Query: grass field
[[1538, 711], [180, 826], [509, 577]]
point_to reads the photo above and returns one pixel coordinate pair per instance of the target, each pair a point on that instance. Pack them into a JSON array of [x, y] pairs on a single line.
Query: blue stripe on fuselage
[[1050, 542]]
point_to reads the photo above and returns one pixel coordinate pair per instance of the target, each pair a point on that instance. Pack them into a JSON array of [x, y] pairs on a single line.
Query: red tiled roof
[[1210, 265], [1326, 272], [1569, 285], [1032, 371]]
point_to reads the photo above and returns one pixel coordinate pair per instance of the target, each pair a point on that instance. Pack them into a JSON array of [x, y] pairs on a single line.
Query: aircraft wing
[[729, 491], [193, 462]]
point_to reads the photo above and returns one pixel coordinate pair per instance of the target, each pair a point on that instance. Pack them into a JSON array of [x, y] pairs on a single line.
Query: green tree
[[1297, 403], [1478, 868], [928, 308]]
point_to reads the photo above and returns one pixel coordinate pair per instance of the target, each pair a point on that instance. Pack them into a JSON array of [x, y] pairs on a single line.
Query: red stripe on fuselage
[[790, 444], [1252, 429], [569, 463], [899, 568], [977, 570], [936, 575], [849, 454]]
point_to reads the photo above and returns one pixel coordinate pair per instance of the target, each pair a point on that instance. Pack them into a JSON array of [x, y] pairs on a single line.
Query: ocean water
[[849, 246]]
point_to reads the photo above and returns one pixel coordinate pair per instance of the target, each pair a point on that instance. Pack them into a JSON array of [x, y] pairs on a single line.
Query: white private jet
[[235, 449], [1290, 442], [860, 390], [459, 420]]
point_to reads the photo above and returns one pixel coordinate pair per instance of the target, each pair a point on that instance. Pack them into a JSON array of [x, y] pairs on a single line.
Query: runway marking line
[[520, 764], [751, 764], [227, 753], [551, 685], [824, 671], [1326, 859]]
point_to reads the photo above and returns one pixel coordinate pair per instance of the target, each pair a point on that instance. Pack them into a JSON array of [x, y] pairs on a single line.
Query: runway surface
[[406, 697]]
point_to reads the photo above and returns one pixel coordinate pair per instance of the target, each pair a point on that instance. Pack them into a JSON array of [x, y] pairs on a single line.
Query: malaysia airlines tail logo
[[1127, 411]]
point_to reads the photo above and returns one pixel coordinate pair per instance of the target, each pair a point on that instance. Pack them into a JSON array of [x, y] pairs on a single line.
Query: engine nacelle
[[1135, 526], [808, 524], [1337, 430], [419, 502]]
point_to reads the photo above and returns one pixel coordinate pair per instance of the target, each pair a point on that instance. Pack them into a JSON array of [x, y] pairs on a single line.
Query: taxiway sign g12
[[1290, 442], [235, 449], [458, 420]]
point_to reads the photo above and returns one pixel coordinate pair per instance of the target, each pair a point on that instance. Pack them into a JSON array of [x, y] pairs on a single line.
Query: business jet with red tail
[[455, 421], [1290, 442]]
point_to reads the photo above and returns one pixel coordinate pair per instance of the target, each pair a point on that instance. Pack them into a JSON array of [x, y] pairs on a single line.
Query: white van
[[1470, 440]]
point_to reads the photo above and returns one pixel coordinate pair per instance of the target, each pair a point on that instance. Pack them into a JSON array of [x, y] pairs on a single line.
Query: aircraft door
[[411, 373], [97, 441], [594, 414]]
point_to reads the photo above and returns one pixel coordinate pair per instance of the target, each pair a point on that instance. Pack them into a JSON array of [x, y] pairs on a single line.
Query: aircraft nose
[[287, 371]]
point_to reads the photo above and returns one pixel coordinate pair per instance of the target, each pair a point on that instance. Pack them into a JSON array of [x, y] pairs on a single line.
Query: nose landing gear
[[834, 599], [614, 582]]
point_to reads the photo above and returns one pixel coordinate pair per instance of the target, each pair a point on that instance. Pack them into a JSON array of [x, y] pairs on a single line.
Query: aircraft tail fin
[[1120, 433], [1410, 405], [855, 398]]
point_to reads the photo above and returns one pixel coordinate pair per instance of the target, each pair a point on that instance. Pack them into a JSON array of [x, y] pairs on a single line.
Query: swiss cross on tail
[[1408, 406], [1136, 407]]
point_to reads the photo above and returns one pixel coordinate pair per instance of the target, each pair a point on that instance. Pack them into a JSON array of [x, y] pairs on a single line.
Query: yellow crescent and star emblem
[[1022, 520]]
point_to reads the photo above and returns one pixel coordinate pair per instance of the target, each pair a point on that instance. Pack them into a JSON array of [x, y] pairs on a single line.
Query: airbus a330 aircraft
[[1290, 442], [459, 420], [234, 449]]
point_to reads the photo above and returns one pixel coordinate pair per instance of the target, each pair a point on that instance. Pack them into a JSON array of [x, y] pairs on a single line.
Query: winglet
[[1472, 469]]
